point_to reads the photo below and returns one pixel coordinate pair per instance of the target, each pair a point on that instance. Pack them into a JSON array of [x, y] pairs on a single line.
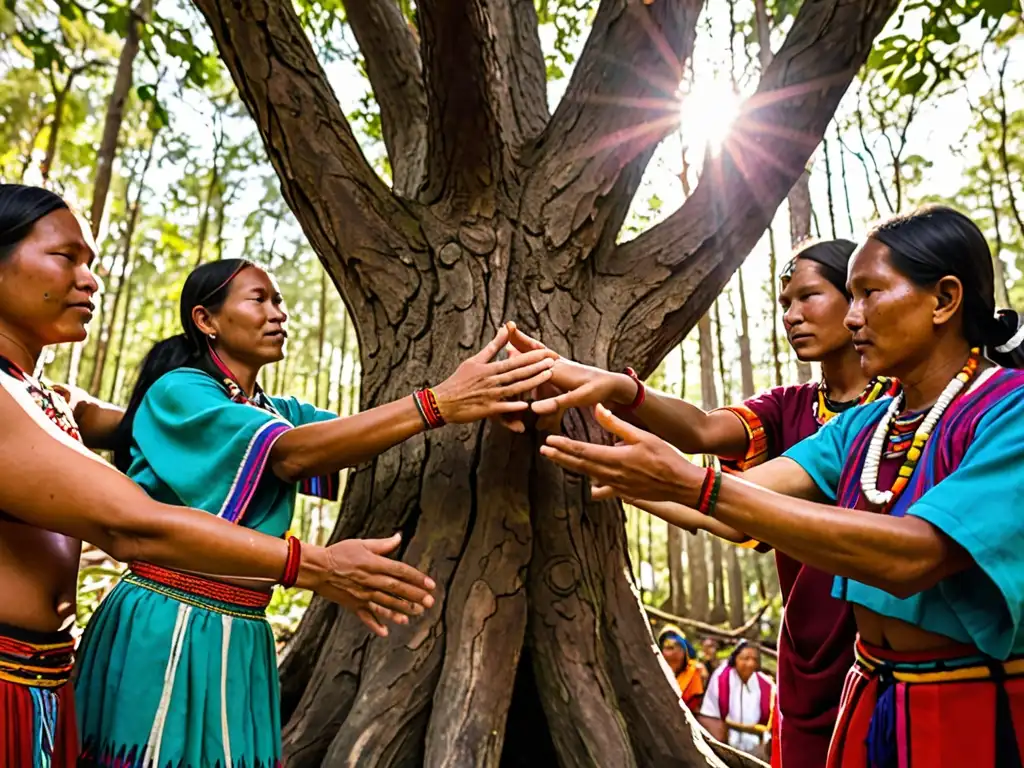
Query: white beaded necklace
[[873, 459]]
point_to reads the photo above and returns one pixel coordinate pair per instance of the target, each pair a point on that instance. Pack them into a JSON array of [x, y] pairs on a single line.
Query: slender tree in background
[[696, 545], [124, 259], [502, 210], [138, 16], [800, 194]]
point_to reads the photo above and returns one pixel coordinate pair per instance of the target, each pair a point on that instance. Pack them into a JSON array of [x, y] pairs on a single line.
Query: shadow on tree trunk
[[504, 212]]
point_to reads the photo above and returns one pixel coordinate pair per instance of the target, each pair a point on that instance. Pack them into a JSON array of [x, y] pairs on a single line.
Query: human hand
[[573, 385], [76, 397], [641, 466], [357, 575], [521, 344], [481, 389]]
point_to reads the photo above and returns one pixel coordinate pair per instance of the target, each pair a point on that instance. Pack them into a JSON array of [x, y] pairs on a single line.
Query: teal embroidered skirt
[[178, 671]]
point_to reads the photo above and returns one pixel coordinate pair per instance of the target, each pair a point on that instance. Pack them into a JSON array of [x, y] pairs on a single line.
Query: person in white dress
[[737, 706]]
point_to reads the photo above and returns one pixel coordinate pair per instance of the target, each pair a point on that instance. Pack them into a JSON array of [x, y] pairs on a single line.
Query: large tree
[[537, 648]]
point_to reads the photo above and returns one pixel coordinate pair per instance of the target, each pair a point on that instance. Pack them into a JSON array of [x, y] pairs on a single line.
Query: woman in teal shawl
[[167, 651]]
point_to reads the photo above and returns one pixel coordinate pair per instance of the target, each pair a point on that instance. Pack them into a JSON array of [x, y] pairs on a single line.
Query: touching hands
[[481, 389], [572, 385], [640, 466], [358, 575]]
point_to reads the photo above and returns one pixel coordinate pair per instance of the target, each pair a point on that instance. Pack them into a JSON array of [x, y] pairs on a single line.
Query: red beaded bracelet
[[705, 489], [709, 490], [291, 565], [641, 390], [430, 412]]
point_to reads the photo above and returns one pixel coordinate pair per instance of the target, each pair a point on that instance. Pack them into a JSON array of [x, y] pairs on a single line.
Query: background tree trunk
[[718, 611], [115, 112], [737, 589], [800, 195], [746, 361], [134, 208], [676, 575], [518, 217]]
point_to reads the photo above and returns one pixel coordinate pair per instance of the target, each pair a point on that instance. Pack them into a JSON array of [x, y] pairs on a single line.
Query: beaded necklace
[[53, 405], [901, 437], [825, 409], [873, 459]]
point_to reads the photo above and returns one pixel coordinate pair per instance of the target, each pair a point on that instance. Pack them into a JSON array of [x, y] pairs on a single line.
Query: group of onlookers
[[732, 698]]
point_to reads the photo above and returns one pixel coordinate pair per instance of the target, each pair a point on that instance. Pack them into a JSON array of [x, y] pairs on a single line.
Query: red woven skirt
[[946, 709], [37, 703]]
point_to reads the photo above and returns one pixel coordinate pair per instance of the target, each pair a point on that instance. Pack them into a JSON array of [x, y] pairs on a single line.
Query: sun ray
[[708, 108]]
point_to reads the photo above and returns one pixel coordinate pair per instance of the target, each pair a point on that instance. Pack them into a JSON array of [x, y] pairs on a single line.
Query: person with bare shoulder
[[54, 494]]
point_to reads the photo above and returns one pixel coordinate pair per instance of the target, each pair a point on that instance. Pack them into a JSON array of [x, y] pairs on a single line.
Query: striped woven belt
[[940, 669], [199, 592], [36, 659]]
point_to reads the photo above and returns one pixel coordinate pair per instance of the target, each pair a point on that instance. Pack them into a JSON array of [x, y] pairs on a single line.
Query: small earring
[[213, 337]]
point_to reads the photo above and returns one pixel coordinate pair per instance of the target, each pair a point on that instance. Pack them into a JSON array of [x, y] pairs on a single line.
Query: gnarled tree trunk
[[502, 211]]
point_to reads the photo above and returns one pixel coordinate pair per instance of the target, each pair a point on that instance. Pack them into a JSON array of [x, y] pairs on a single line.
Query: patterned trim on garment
[[49, 401], [322, 487], [40, 665], [251, 470], [757, 440], [229, 594], [132, 757], [939, 670], [196, 601]]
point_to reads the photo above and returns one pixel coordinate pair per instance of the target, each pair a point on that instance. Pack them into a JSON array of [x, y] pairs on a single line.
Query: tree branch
[[370, 243], [665, 279], [715, 631], [520, 93], [487, 94], [1004, 158], [620, 103], [393, 67]]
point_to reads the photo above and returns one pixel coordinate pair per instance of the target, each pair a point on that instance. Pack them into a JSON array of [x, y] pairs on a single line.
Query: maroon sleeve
[[762, 417]]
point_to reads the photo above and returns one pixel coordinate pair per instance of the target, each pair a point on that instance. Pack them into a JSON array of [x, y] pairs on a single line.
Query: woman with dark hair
[[54, 493], [681, 657], [817, 633], [180, 669], [914, 501], [738, 706]]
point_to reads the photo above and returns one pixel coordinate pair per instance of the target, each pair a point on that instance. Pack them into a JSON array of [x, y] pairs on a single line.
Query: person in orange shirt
[[682, 660]]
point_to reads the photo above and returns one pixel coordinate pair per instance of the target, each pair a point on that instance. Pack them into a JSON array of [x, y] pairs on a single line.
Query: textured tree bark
[[516, 218]]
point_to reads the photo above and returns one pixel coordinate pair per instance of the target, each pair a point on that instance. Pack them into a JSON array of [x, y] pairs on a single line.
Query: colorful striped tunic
[[178, 670], [940, 710]]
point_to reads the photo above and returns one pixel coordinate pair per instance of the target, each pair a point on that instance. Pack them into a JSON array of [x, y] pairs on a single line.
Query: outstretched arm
[[902, 555], [52, 485], [477, 390], [685, 426]]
